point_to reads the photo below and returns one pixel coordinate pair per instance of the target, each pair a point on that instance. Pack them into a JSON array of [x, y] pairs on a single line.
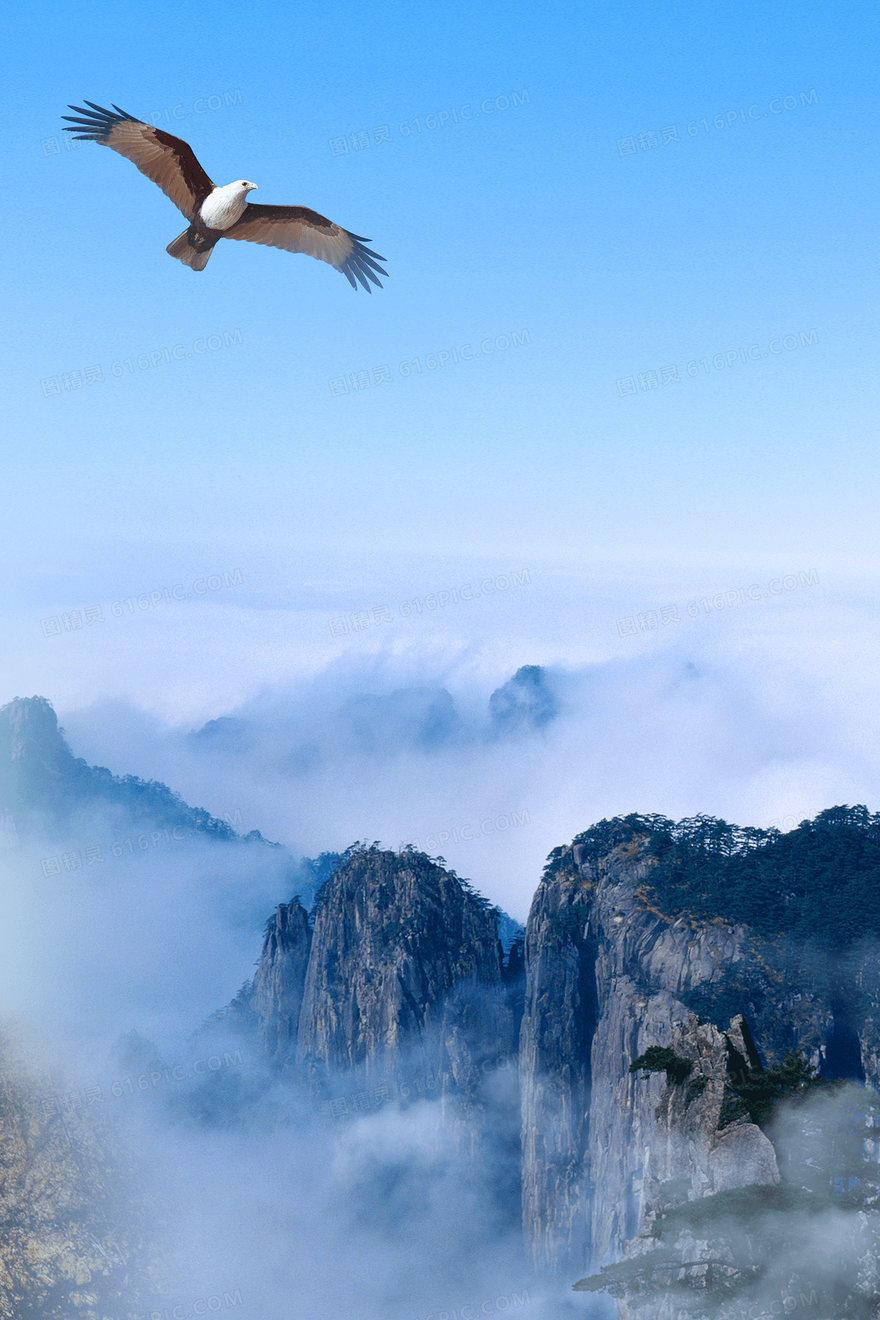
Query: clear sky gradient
[[645, 241]]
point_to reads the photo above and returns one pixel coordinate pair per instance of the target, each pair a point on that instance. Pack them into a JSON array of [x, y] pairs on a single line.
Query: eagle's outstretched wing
[[297, 229], [167, 160]]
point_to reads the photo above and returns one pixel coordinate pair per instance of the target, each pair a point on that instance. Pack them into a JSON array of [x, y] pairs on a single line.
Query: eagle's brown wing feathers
[[297, 229], [168, 161], [171, 163]]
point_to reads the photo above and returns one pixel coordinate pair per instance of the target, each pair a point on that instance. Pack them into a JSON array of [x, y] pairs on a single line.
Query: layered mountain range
[[644, 935]]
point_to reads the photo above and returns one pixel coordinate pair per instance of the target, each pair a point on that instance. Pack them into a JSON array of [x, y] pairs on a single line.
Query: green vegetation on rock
[[820, 881], [659, 1058]]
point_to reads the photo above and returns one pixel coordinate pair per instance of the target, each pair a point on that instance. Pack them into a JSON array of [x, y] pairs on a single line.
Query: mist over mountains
[[491, 769], [403, 1065]]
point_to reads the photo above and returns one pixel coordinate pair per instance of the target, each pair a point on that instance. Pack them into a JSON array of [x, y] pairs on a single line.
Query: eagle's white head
[[224, 206]]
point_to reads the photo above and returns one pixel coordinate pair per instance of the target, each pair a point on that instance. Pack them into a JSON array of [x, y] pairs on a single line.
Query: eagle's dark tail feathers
[[184, 250]]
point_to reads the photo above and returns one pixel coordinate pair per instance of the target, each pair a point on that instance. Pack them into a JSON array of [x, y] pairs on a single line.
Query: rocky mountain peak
[[41, 779], [400, 985], [34, 758], [405, 960], [523, 702]]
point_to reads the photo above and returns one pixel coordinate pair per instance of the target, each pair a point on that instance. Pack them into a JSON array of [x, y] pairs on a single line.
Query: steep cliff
[[691, 1137], [611, 974], [403, 978], [559, 1022], [400, 993], [404, 974], [277, 993], [37, 767]]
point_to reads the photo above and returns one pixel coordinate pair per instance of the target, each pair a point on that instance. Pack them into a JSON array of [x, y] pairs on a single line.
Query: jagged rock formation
[[35, 762], [691, 1135], [559, 1022], [608, 976], [421, 719], [403, 977], [404, 973], [401, 993], [277, 992]]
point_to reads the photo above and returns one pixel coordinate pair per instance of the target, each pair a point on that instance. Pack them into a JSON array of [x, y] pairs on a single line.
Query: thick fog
[[262, 1199], [750, 724]]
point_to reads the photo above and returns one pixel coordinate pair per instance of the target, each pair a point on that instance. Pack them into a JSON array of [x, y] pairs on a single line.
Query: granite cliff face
[[608, 976], [559, 1021], [401, 993], [404, 974], [604, 976], [277, 993], [693, 1139]]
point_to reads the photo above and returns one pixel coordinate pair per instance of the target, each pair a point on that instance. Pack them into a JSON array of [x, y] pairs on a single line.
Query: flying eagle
[[214, 213]]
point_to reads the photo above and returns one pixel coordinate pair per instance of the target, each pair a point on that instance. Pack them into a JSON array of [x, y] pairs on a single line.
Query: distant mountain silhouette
[[524, 702], [420, 718], [41, 779]]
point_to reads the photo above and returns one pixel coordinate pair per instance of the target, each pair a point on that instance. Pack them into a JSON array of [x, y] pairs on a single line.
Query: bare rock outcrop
[[277, 993], [401, 985]]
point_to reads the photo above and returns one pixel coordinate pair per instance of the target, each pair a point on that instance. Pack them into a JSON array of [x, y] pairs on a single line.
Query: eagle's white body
[[224, 206]]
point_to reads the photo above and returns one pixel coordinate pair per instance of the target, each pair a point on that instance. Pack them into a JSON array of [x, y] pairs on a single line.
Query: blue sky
[[646, 235]]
